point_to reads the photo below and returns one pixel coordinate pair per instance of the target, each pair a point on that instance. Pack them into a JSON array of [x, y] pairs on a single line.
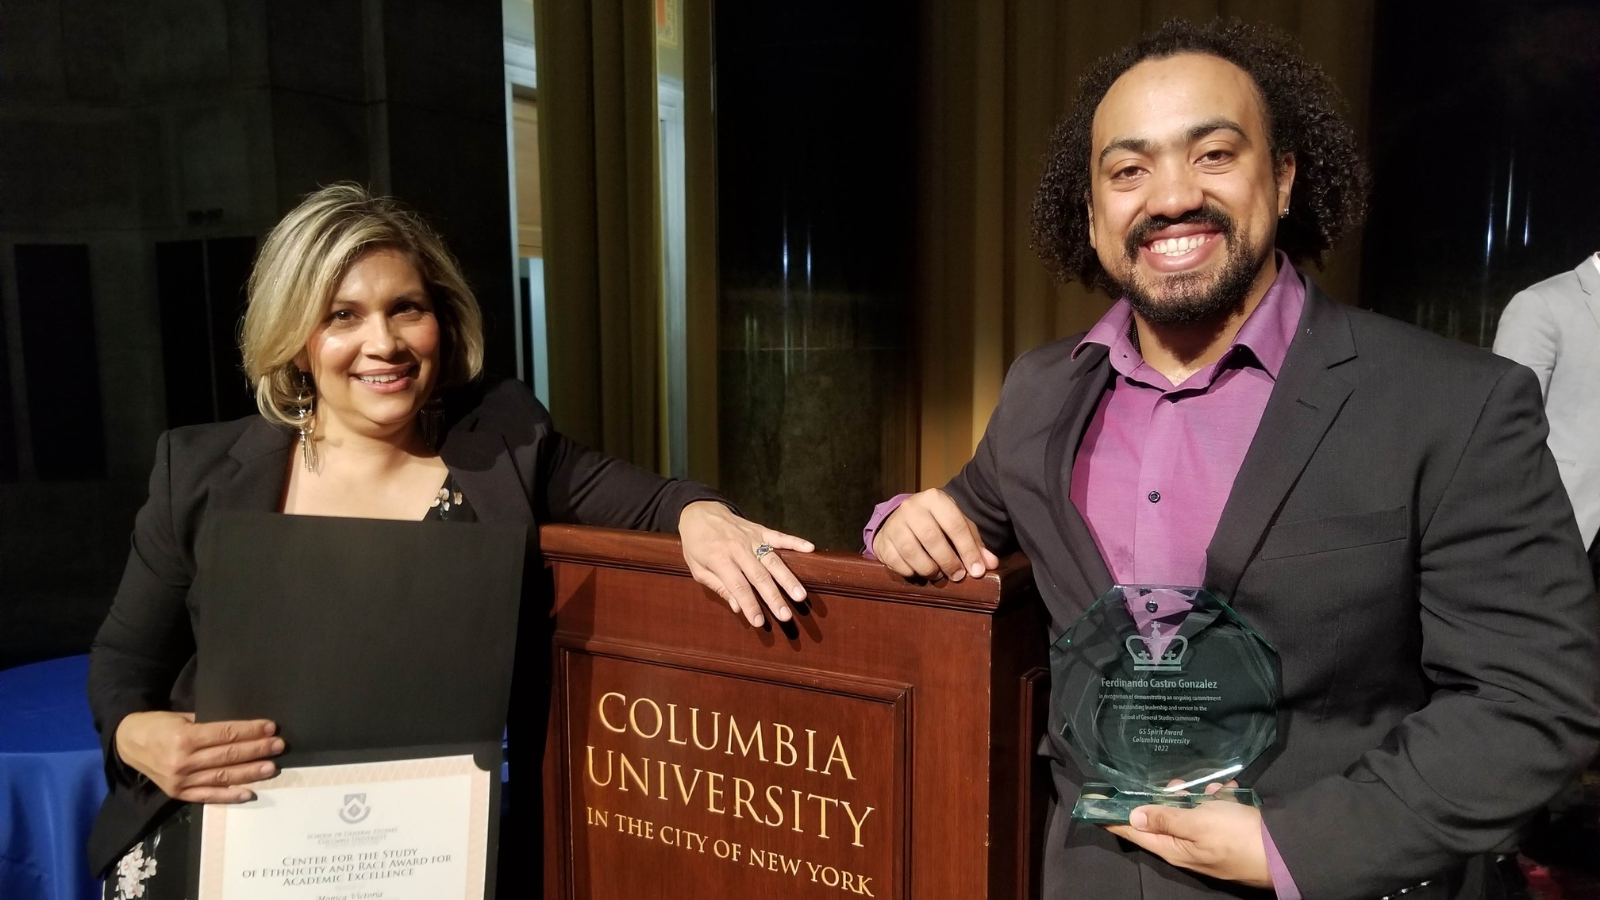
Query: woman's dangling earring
[[431, 421], [306, 418]]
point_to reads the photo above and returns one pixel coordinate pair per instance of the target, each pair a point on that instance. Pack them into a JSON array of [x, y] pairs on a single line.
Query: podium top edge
[[828, 572]]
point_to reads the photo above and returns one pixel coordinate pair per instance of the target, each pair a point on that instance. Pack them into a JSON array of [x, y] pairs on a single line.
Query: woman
[[365, 346]]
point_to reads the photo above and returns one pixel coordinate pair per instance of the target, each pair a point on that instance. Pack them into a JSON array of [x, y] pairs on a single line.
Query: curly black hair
[[1303, 115]]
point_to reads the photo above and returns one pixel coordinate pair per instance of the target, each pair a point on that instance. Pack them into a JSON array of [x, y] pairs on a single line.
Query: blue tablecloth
[[51, 781]]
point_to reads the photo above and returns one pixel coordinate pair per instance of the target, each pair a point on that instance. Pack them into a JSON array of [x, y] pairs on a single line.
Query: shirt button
[[1155, 496]]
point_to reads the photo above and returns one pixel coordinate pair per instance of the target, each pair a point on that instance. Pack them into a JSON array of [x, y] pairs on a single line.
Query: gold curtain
[[700, 190], [602, 229], [995, 78]]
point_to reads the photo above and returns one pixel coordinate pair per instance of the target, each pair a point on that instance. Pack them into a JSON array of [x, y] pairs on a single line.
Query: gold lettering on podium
[[628, 769], [688, 792], [713, 793], [855, 821], [634, 774], [633, 717], [743, 793], [694, 728], [822, 812], [672, 729], [785, 741], [684, 769], [837, 753], [598, 782], [744, 743], [602, 707], [775, 807]]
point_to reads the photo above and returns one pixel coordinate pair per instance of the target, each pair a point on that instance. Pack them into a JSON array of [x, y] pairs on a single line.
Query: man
[[1377, 501], [1553, 328]]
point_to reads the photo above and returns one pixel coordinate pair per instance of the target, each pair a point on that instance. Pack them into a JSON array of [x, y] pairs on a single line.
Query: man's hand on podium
[[928, 535], [724, 553]]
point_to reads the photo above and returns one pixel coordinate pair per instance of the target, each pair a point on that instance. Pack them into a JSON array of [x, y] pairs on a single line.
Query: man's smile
[[1180, 247]]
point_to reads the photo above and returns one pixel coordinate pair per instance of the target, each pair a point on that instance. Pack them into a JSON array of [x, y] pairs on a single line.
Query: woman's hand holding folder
[[198, 762]]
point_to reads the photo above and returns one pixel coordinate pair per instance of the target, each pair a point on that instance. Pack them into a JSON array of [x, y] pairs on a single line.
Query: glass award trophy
[[1164, 691]]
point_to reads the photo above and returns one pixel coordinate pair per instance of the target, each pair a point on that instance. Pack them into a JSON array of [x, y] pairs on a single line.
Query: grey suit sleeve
[[1529, 334], [976, 489], [146, 639], [1509, 640]]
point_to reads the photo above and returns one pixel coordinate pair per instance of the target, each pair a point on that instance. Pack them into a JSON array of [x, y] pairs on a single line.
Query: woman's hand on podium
[[928, 535], [724, 553], [198, 763]]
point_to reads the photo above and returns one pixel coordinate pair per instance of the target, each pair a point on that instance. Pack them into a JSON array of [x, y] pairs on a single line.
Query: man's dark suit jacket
[[1399, 533], [505, 455]]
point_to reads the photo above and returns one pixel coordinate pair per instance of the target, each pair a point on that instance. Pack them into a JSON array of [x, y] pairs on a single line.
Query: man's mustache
[[1204, 215]]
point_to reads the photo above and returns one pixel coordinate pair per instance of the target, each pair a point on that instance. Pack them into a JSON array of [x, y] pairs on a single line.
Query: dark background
[[1484, 141], [816, 146]]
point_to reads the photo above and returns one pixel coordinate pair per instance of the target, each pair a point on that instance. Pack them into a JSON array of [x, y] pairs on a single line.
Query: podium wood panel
[[880, 745]]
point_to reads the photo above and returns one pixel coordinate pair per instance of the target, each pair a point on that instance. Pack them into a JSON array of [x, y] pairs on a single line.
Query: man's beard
[[1191, 298]]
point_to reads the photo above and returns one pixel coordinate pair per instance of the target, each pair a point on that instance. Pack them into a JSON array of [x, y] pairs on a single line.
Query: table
[[51, 781]]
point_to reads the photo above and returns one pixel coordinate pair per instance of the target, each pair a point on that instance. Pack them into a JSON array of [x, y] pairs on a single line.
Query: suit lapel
[[1089, 377], [1304, 402], [261, 455], [1589, 281], [482, 465]]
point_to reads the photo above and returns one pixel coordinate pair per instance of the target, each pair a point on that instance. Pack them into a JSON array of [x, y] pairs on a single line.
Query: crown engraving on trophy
[[1145, 650]]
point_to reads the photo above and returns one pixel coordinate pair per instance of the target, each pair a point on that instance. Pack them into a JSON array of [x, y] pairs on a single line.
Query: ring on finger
[[763, 550]]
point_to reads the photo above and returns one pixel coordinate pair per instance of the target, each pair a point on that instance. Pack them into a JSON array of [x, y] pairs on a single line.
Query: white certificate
[[414, 829]]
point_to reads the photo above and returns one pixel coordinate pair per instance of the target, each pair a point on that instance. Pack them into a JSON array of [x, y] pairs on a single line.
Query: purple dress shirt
[[1158, 460]]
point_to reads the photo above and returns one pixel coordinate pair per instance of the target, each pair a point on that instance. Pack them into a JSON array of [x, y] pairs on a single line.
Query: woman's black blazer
[[505, 455]]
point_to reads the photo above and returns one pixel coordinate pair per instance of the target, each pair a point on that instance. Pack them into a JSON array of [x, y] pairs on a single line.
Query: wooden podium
[[881, 745]]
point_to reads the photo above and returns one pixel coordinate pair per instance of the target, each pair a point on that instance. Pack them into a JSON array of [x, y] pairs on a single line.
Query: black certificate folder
[[364, 640], [358, 634]]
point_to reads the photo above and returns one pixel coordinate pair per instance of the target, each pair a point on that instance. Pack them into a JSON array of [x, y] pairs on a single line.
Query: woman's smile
[[391, 381]]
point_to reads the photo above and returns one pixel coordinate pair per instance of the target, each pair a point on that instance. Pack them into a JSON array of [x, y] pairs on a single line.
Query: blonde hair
[[300, 266]]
